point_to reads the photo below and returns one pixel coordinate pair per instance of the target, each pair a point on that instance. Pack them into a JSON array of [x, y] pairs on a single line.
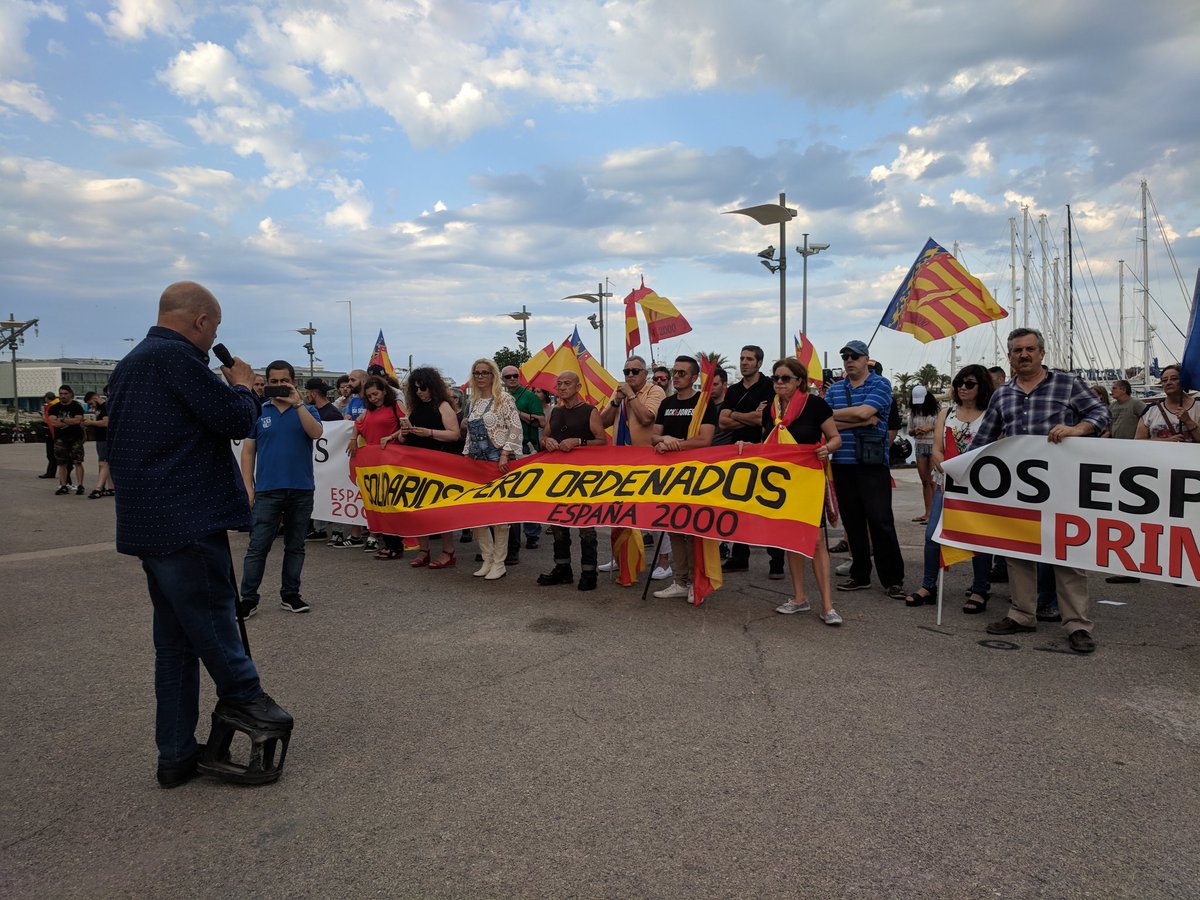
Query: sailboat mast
[[1070, 297], [1121, 316], [1046, 309], [1025, 263], [1012, 262]]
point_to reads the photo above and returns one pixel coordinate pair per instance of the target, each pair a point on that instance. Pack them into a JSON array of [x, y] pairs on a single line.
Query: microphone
[[221, 353]]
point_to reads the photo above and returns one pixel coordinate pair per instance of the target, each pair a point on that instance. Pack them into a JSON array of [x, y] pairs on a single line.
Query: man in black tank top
[[573, 423]]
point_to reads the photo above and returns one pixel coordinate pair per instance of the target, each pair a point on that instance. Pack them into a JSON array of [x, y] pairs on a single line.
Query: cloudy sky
[[441, 162]]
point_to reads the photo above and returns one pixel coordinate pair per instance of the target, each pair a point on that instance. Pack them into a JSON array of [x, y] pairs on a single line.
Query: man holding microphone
[[171, 421]]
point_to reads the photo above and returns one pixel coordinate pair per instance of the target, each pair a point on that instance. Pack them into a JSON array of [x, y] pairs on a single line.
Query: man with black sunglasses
[[640, 398], [861, 402], [742, 417]]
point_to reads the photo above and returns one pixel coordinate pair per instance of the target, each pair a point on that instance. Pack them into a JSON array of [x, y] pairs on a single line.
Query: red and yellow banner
[[770, 496]]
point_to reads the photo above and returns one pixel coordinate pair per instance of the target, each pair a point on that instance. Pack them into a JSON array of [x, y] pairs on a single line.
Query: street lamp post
[[11, 337], [597, 297], [312, 353], [807, 250], [523, 334], [350, 311], [772, 214]]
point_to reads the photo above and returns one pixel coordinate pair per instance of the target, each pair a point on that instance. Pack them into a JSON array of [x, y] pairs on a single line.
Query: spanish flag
[[807, 354], [951, 555], [939, 297], [706, 555], [542, 370], [596, 384], [663, 319]]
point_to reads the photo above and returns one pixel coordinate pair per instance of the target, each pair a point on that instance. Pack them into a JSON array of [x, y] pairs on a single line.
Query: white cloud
[[131, 20], [15, 16], [24, 97], [134, 131], [208, 72], [911, 163]]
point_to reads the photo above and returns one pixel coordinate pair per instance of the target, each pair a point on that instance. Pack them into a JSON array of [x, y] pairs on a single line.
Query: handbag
[[869, 449]]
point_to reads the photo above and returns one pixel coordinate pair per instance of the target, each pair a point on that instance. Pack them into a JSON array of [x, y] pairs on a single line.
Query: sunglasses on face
[[682, 373], [783, 379], [846, 356], [508, 377], [660, 377], [966, 384], [421, 387], [633, 371], [483, 374]]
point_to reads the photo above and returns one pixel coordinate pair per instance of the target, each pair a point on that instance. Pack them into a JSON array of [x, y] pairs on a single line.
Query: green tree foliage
[[506, 356]]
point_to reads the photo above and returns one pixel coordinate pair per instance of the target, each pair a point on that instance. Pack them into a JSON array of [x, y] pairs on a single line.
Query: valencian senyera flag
[[379, 356], [663, 319], [542, 370], [807, 354], [939, 297]]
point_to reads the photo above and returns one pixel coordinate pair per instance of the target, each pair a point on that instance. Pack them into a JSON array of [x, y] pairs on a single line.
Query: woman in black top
[[432, 424], [814, 425]]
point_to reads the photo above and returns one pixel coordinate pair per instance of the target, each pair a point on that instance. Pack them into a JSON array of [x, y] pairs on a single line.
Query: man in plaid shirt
[[1058, 405]]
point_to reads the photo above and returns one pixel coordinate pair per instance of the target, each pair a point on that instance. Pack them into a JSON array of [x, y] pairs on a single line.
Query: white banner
[[337, 498], [1123, 507]]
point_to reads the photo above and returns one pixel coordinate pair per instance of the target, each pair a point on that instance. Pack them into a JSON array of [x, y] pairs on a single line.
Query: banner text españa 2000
[[769, 495]]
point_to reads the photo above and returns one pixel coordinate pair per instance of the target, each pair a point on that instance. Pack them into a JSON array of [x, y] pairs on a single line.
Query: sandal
[[384, 553], [108, 492], [445, 561], [96, 494], [840, 547], [422, 559], [977, 602], [916, 598]]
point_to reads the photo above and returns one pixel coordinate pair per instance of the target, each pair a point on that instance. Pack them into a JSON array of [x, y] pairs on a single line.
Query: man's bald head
[[190, 309]]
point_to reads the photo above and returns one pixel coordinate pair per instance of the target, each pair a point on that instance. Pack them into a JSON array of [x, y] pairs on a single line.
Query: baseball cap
[[855, 347], [376, 369], [919, 394]]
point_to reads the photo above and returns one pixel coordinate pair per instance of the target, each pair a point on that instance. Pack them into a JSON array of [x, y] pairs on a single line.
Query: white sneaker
[[844, 568], [691, 595], [672, 592], [610, 566], [792, 607], [831, 618], [661, 574]]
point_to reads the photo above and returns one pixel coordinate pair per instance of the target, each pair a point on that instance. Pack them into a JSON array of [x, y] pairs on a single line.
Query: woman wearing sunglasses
[[493, 434], [432, 424], [809, 421], [971, 391]]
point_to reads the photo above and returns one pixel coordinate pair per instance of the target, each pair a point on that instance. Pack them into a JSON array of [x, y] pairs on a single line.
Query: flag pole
[[650, 566], [941, 584]]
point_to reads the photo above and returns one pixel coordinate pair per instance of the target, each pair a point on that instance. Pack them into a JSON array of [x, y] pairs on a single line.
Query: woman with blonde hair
[[494, 434]]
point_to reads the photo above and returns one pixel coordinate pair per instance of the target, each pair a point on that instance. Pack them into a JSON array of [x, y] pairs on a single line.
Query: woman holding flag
[[798, 417], [971, 391]]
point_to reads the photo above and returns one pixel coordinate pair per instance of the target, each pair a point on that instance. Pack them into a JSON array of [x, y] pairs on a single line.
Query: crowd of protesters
[[853, 421]]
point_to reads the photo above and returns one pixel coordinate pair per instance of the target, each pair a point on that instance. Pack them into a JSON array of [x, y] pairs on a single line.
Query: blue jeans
[[193, 595], [295, 508], [981, 563]]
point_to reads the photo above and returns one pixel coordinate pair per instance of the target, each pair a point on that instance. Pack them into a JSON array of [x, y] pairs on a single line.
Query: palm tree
[[721, 361], [902, 380], [929, 376]]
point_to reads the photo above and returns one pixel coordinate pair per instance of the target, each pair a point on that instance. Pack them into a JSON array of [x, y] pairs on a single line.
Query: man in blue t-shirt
[[861, 402], [277, 469]]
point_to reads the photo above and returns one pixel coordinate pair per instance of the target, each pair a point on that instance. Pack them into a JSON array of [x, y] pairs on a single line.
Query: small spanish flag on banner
[[948, 555], [939, 297]]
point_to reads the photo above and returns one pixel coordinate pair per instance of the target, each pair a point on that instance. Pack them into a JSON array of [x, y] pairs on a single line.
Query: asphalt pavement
[[464, 739]]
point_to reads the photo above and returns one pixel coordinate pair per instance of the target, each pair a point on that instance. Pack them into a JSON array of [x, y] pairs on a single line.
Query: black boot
[[587, 581], [560, 574]]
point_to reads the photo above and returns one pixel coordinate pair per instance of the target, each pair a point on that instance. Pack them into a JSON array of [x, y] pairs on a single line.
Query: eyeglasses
[[846, 356], [783, 379], [506, 377], [660, 377], [681, 373], [484, 374], [421, 387], [966, 384], [633, 371]]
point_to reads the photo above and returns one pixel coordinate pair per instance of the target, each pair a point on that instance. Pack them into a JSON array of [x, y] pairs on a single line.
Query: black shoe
[[854, 585], [587, 581], [51, 475], [998, 575], [248, 609], [1081, 641], [294, 603], [776, 573], [723, 550], [647, 540], [465, 537], [531, 543], [314, 535], [79, 490], [1008, 626], [1122, 579], [896, 592], [175, 774], [735, 565], [840, 547], [561, 574], [261, 712], [1049, 615], [513, 558], [62, 489]]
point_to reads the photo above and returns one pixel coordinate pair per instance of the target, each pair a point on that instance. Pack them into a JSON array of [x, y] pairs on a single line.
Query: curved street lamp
[[772, 214]]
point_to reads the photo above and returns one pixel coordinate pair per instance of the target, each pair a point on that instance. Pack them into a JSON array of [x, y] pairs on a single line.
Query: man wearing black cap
[[861, 402]]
